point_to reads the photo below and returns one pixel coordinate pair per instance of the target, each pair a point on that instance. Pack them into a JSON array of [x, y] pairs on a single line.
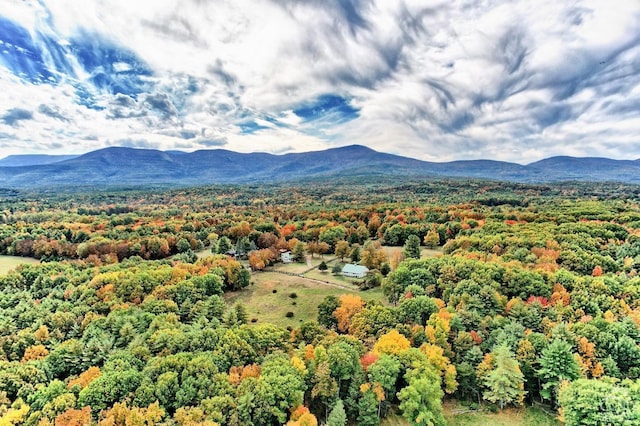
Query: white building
[[354, 271], [286, 257]]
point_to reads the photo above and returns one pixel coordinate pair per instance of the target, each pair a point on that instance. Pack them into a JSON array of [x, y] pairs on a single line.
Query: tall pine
[[505, 382]]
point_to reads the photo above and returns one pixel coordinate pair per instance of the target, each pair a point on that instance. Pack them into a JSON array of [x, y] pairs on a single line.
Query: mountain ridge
[[116, 166]]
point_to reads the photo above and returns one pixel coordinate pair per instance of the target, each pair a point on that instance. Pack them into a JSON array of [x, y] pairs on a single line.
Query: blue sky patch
[[334, 106], [113, 68], [20, 54], [250, 127]]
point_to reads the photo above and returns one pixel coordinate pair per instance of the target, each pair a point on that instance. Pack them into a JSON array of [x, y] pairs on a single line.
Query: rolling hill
[[118, 166]]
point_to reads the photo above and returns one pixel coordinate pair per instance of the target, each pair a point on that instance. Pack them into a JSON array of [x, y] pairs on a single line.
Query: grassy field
[[424, 252], [299, 268], [310, 288], [528, 416], [266, 306], [8, 263]]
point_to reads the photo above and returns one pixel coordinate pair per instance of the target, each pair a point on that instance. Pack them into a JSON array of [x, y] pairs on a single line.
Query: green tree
[[421, 400], [298, 251], [368, 409], [325, 312], [224, 245], [322, 266], [337, 416], [332, 235], [505, 382], [356, 253], [600, 402], [325, 388], [183, 245], [557, 364], [385, 371], [411, 247]]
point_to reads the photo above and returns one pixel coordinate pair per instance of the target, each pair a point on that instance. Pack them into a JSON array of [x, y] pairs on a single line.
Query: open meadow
[[9, 263], [455, 415], [272, 295]]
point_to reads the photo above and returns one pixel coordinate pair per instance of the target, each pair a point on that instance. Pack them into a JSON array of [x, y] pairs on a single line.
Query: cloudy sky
[[438, 80]]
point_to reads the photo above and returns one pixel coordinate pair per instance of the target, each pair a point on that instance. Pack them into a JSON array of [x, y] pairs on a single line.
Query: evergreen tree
[[368, 409], [224, 245], [411, 247], [298, 251], [241, 313], [337, 416], [356, 253], [323, 266], [505, 382]]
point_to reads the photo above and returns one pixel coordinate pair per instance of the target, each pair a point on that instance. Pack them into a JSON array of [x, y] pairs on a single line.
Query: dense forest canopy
[[530, 294]]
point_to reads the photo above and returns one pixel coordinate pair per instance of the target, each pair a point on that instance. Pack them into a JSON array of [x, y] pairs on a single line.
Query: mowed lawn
[[9, 263], [268, 307]]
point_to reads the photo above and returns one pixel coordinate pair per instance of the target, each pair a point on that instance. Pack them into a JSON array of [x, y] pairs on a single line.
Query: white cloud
[[436, 80]]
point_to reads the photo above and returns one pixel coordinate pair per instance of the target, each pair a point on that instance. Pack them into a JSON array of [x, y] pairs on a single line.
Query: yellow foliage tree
[[16, 414], [86, 377], [392, 343], [121, 415], [35, 352], [42, 333], [442, 364], [192, 416]]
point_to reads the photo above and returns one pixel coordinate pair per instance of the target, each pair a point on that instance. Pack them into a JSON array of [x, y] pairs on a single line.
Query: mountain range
[[119, 166]]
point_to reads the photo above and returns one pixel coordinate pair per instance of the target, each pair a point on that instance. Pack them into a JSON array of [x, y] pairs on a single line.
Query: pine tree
[[505, 382], [368, 409], [224, 245], [411, 247], [298, 251], [241, 313], [337, 416]]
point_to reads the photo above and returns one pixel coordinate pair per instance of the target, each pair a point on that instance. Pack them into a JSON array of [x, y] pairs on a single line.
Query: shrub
[[293, 295], [289, 314]]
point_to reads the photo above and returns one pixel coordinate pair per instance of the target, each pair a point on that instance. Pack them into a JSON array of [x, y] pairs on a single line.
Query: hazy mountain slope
[[128, 166], [33, 159]]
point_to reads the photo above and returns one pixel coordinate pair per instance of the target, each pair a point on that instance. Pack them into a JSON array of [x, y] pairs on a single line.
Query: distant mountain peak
[[117, 166]]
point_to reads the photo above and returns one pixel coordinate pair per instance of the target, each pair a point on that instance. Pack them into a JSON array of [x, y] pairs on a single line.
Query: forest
[[530, 296]]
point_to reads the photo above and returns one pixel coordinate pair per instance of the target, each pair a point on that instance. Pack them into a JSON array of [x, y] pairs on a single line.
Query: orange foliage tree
[[350, 304]]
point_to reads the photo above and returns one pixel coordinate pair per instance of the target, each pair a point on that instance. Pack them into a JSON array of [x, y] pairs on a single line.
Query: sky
[[437, 80]]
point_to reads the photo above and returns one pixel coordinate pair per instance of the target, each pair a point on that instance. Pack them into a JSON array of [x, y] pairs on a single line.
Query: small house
[[354, 271], [286, 257]]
